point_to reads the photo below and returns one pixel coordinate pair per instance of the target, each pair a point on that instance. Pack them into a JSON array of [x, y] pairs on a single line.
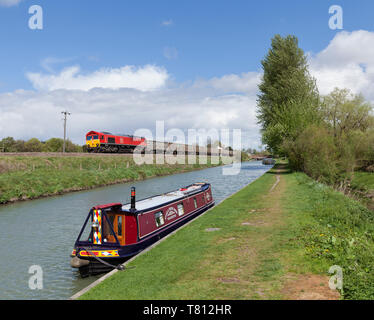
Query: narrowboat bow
[[113, 233]]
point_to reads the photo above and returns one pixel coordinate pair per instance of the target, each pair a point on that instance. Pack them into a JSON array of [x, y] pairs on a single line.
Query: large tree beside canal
[[288, 98]]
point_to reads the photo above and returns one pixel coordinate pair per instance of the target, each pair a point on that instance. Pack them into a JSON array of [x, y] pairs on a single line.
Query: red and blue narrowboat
[[113, 233]]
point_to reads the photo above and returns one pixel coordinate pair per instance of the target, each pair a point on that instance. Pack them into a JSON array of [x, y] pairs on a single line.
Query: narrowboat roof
[[162, 199]]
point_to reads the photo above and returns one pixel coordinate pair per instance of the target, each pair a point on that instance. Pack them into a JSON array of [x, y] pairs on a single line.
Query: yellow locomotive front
[[92, 141]]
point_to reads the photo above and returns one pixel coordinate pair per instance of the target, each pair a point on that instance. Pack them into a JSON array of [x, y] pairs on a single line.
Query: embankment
[[33, 176], [362, 187]]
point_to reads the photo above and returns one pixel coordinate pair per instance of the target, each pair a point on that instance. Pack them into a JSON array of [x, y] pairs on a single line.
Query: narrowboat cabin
[[113, 233], [268, 161]]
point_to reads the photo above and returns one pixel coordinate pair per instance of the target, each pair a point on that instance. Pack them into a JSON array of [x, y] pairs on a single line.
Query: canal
[[42, 232]]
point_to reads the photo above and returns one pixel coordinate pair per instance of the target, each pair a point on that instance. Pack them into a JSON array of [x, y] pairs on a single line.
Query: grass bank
[[362, 187], [30, 177], [278, 238]]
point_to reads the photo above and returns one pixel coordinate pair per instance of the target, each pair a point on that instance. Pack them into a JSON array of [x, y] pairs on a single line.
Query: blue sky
[[122, 65], [210, 38]]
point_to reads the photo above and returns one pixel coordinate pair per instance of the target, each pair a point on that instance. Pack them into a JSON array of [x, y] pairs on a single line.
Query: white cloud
[[167, 23], [245, 82], [170, 53], [49, 62], [228, 101], [25, 114], [9, 3], [347, 62], [144, 78]]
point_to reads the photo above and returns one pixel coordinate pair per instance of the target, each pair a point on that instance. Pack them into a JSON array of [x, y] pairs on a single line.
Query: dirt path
[[298, 287], [268, 275]]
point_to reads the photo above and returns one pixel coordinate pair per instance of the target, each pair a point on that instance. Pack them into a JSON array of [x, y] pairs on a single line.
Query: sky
[[120, 66]]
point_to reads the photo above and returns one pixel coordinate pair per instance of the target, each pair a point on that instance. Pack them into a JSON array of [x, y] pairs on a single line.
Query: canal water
[[42, 232]]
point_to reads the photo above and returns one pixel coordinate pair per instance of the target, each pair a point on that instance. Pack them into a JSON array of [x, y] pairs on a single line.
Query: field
[[277, 239], [30, 176]]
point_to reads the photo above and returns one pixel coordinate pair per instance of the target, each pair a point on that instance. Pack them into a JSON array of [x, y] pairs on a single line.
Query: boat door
[[118, 223]]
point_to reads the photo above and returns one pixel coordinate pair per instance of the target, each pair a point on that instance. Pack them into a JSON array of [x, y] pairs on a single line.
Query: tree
[[288, 96], [345, 112], [53, 145], [19, 146], [33, 145], [10, 145]]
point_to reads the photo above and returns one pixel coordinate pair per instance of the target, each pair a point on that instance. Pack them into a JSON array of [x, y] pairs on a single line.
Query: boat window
[[111, 219], [195, 202], [107, 233], [86, 231], [180, 209], [119, 225], [159, 219]]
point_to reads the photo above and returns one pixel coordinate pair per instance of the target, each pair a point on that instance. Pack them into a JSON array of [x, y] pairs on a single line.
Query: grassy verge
[[27, 177], [276, 241], [363, 180], [362, 187]]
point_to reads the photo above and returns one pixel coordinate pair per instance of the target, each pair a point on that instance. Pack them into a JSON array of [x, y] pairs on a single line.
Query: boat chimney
[[132, 199]]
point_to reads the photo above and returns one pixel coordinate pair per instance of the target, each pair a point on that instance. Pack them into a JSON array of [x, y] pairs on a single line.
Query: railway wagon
[[183, 149]]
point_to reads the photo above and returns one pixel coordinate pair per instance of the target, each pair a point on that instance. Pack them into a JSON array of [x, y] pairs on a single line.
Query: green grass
[[363, 181], [340, 232], [303, 227], [29, 177]]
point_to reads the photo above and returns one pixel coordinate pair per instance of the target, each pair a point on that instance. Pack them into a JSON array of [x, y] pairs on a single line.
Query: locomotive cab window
[[96, 137], [89, 138]]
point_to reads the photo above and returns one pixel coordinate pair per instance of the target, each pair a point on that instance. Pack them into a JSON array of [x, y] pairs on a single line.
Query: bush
[[315, 153], [34, 145]]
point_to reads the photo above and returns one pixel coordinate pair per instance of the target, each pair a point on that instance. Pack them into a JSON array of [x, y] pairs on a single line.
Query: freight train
[[106, 142]]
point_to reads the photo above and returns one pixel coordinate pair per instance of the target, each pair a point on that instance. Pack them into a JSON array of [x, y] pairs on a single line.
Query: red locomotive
[[107, 142]]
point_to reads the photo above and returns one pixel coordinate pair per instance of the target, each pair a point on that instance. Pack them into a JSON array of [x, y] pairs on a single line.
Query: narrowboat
[[268, 161], [113, 233]]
